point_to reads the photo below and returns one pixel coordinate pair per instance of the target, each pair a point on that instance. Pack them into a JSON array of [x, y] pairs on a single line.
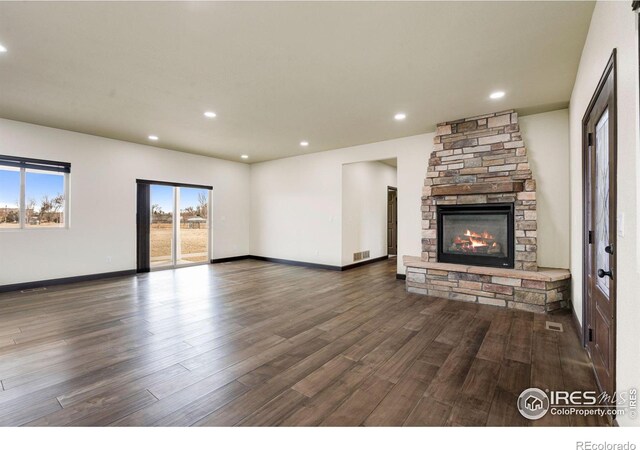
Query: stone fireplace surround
[[483, 160]]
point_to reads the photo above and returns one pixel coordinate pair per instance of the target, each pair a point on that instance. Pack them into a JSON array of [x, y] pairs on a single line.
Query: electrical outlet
[[109, 259]]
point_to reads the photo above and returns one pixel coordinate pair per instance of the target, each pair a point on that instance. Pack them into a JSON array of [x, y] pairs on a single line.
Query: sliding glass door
[[193, 233], [176, 226], [162, 230]]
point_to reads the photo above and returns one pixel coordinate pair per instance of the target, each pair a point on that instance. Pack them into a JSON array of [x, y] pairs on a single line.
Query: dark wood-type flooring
[[256, 343]]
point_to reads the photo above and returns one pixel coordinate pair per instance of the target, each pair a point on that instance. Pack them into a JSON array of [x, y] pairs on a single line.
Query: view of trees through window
[[191, 231], [44, 195], [194, 225], [43, 198], [9, 197]]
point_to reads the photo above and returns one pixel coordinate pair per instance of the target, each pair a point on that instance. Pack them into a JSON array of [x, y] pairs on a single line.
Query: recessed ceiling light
[[210, 114], [153, 137], [244, 156], [400, 116], [304, 143], [3, 49], [496, 95]]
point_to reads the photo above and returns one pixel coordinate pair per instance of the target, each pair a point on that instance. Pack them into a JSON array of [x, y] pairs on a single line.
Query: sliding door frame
[[143, 222]]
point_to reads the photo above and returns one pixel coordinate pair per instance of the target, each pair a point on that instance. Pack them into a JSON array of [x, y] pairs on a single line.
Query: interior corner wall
[[613, 25], [296, 202], [102, 233], [364, 208], [546, 137]]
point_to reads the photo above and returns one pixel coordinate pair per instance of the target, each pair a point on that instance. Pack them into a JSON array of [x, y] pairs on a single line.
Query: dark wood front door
[[599, 134], [392, 221]]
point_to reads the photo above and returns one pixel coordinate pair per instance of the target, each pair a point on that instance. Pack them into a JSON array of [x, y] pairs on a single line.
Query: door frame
[[389, 189], [610, 69], [143, 222]]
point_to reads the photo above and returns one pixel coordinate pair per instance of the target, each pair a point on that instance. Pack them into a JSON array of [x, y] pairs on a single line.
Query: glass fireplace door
[[476, 234], [481, 235]]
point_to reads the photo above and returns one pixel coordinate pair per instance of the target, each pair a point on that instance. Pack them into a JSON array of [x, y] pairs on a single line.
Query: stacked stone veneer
[[482, 149], [546, 292]]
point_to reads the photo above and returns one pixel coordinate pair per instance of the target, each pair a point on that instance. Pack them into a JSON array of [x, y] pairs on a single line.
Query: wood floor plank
[[104, 416], [88, 410], [273, 412], [313, 411], [477, 393], [520, 341], [323, 376], [450, 377], [504, 410], [428, 412], [131, 385], [436, 353], [404, 357], [396, 406], [12, 417], [544, 373], [194, 411], [360, 404]]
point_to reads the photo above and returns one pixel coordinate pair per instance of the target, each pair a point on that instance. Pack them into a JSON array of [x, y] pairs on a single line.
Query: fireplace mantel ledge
[[500, 187], [542, 274]]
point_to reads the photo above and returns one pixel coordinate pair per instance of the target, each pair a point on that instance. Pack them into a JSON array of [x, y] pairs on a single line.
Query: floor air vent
[[26, 291], [554, 326]]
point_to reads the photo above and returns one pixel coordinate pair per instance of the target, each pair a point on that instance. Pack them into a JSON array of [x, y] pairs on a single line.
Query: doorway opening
[[173, 225], [369, 212], [392, 221], [599, 234]]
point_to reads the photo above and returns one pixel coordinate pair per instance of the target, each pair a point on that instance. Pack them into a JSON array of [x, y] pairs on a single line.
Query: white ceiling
[[333, 73]]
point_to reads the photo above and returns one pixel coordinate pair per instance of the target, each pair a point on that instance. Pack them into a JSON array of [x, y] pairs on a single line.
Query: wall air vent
[[360, 255]]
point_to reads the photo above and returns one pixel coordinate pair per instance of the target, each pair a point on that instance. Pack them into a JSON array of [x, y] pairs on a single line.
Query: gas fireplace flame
[[484, 235], [475, 242]]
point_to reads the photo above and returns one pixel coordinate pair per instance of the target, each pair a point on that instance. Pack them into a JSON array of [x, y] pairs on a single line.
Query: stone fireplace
[[478, 161], [479, 220]]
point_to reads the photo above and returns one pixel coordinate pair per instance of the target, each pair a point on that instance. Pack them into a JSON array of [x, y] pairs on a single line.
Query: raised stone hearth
[[483, 160], [540, 291]]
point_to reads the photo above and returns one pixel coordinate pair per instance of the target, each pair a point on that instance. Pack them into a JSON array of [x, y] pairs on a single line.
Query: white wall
[[364, 208], [547, 139], [613, 25], [103, 179], [296, 203]]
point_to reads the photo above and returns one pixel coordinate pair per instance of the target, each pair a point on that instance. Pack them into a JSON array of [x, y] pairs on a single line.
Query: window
[[9, 197], [33, 193]]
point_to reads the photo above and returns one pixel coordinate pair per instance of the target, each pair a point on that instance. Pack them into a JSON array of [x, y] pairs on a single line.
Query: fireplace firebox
[[479, 235]]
